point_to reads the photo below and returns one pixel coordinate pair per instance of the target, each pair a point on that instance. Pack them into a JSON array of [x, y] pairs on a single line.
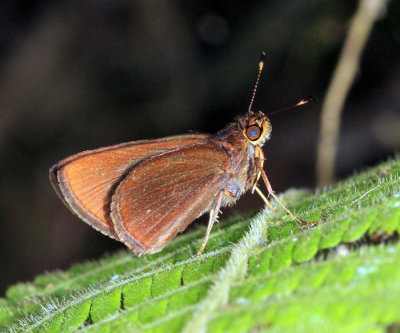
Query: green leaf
[[259, 272]]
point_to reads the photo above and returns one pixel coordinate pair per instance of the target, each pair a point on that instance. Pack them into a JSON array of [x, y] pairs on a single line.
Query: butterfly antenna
[[302, 102], [260, 68]]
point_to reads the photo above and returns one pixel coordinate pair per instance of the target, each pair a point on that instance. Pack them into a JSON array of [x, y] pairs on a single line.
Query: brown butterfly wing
[[162, 195], [85, 182]]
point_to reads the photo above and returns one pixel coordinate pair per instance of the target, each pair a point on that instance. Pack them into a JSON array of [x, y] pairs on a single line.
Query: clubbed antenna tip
[[302, 102], [261, 63], [260, 68]]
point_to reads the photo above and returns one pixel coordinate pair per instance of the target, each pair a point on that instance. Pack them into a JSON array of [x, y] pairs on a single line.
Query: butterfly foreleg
[[259, 162], [263, 197], [272, 193]]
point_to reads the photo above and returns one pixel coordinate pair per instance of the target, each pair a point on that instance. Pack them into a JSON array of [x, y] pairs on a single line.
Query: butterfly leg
[[213, 218], [264, 198], [259, 159], [272, 193]]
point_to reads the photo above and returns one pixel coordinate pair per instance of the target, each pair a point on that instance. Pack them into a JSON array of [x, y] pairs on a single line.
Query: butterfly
[[143, 193]]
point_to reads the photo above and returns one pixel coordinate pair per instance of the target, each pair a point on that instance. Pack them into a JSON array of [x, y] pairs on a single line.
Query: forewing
[[163, 195], [86, 181]]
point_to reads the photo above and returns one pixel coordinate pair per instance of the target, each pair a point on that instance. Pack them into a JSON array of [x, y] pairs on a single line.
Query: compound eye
[[253, 132]]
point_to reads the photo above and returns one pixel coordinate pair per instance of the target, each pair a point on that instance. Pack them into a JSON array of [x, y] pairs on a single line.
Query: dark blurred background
[[83, 74]]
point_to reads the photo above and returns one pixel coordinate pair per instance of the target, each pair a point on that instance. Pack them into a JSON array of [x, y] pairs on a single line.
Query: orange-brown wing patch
[[163, 195], [86, 181]]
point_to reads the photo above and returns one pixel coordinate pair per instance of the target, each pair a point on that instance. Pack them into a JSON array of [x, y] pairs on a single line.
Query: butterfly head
[[255, 127]]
